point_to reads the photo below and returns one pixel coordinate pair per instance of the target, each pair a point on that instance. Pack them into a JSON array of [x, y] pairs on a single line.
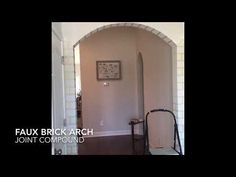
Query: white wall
[[78, 82], [77, 68], [57, 29], [69, 85], [180, 92], [58, 106]]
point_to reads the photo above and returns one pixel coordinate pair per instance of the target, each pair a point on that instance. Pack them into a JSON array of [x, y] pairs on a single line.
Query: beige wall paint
[[117, 104], [157, 85]]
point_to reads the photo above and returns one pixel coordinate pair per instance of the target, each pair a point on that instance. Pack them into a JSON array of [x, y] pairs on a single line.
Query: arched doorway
[[140, 89], [159, 34]]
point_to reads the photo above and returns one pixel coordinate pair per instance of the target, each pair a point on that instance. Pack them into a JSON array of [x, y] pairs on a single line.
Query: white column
[[70, 94], [180, 91]]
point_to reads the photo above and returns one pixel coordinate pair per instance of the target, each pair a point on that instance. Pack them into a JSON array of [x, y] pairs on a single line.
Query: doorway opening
[[78, 87], [140, 90], [139, 74]]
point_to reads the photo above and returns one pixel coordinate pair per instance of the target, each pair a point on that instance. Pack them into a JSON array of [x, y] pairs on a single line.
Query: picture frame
[[108, 70]]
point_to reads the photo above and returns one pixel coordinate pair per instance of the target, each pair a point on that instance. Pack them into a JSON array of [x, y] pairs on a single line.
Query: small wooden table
[[134, 122]]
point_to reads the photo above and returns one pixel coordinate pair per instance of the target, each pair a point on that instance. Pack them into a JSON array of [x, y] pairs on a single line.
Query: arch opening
[[140, 57]]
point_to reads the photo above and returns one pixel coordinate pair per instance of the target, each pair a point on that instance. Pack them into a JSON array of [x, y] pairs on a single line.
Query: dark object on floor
[[134, 122]]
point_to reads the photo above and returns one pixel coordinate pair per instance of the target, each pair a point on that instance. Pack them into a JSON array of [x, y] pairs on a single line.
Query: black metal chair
[[162, 151]]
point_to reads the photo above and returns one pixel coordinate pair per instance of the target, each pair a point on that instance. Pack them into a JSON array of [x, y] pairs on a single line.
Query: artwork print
[[108, 70]]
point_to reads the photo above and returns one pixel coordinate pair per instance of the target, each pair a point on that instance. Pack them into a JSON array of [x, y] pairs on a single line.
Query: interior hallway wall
[[109, 109], [117, 104], [72, 32], [157, 63]]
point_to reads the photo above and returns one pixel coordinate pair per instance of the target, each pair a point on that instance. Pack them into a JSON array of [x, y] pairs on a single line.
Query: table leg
[[133, 145]]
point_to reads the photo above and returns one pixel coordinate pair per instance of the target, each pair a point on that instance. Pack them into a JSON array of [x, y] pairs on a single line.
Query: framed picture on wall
[[108, 70]]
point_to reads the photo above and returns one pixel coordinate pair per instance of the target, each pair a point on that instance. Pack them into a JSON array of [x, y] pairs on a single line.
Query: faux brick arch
[[134, 25], [177, 57]]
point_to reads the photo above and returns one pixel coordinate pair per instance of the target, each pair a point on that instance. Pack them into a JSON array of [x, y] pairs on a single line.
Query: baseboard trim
[[109, 133]]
